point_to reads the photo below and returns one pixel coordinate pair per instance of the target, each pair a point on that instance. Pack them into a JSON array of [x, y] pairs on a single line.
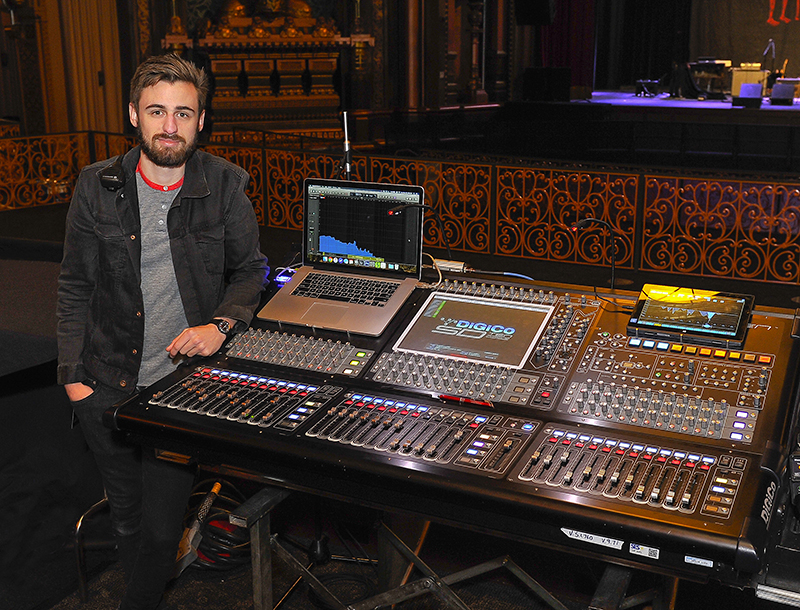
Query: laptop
[[362, 257]]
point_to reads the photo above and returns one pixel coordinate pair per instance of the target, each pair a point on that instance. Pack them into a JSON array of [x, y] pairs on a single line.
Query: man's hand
[[197, 340], [77, 391]]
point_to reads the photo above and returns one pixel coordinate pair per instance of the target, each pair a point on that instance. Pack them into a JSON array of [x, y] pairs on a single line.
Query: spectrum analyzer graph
[[331, 245], [349, 227]]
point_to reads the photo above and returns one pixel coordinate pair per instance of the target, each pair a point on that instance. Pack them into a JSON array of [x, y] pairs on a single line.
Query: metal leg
[[312, 581], [612, 588], [254, 515], [432, 583], [80, 547]]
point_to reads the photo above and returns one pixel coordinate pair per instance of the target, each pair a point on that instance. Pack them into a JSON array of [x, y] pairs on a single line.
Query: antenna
[[346, 160]]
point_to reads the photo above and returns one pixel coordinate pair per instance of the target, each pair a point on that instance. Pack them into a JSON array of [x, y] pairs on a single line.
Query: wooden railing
[[704, 225]]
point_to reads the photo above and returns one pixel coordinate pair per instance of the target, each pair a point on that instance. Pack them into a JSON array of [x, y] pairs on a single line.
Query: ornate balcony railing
[[720, 226]]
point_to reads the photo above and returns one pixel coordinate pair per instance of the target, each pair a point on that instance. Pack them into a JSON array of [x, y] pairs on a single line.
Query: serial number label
[[611, 543]]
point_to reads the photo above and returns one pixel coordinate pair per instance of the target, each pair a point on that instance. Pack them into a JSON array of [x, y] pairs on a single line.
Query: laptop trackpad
[[322, 313]]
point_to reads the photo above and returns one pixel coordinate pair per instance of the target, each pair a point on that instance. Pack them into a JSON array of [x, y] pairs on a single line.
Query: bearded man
[[161, 262]]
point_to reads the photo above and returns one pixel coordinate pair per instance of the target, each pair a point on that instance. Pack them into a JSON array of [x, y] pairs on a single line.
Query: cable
[[503, 273], [439, 271], [222, 546]]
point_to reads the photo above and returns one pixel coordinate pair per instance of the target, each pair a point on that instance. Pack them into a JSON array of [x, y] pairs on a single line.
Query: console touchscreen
[[689, 315]]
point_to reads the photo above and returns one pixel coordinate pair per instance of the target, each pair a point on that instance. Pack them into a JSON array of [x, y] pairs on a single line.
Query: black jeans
[[147, 497]]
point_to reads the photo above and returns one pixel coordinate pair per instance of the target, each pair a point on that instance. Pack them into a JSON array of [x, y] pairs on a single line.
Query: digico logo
[[769, 500]]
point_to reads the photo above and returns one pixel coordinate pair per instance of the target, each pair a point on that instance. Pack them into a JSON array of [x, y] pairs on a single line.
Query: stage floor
[[663, 100]]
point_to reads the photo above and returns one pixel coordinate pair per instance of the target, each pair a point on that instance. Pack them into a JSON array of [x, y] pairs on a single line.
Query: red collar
[[153, 185]]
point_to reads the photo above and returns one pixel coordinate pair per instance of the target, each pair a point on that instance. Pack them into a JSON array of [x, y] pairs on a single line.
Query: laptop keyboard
[[347, 289]]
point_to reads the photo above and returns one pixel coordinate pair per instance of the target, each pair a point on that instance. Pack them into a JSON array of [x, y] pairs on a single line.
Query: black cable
[[219, 548]]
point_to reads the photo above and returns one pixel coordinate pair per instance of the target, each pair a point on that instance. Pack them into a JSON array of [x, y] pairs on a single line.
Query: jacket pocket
[[211, 244], [111, 246]]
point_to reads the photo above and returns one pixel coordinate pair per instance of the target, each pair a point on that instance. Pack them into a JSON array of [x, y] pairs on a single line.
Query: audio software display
[[347, 223], [704, 316], [475, 329]]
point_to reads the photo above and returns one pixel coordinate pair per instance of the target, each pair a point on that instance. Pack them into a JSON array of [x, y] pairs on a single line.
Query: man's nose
[[170, 125]]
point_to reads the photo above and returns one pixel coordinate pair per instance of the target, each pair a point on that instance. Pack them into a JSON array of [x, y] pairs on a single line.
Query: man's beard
[[174, 156]]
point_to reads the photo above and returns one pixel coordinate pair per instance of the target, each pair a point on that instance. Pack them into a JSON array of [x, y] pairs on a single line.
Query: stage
[[664, 100], [621, 127]]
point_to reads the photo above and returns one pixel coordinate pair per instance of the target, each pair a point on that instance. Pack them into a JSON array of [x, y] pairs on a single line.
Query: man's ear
[[133, 115], [200, 122]]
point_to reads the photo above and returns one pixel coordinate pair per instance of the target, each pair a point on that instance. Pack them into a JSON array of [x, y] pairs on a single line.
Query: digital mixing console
[[543, 404]]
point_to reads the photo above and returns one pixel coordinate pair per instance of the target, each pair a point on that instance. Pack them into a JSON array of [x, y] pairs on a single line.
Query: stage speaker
[[749, 96], [535, 12], [782, 94]]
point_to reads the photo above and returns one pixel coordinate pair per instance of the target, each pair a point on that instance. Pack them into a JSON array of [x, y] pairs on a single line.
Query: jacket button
[[133, 237], [138, 314], [123, 383], [135, 351]]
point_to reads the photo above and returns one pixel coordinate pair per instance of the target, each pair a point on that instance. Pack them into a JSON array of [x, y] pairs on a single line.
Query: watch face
[[224, 326]]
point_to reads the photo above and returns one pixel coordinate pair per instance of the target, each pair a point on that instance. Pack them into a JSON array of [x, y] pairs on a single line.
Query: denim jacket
[[214, 241]]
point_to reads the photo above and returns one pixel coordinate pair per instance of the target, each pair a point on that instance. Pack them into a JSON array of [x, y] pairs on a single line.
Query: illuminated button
[[742, 414], [735, 356], [635, 342], [355, 362], [764, 359], [691, 349], [705, 351], [739, 425], [348, 371], [360, 354], [676, 347], [662, 346], [737, 436], [749, 357], [648, 344], [720, 353]]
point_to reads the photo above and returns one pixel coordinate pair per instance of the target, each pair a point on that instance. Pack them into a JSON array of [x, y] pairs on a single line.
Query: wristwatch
[[223, 325]]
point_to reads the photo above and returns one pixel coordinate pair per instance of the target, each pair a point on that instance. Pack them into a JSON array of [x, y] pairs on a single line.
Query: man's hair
[[172, 69]]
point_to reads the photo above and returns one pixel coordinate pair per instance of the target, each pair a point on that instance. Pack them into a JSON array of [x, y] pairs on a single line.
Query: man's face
[[167, 122]]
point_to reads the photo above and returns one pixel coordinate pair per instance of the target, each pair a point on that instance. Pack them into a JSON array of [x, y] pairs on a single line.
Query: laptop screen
[[348, 225]]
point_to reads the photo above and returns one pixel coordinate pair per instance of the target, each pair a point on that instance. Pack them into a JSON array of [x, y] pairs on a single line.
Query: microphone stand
[[770, 45], [612, 232], [397, 210]]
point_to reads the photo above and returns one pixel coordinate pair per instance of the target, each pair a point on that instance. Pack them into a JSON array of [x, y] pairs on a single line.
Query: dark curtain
[[569, 41], [639, 40]]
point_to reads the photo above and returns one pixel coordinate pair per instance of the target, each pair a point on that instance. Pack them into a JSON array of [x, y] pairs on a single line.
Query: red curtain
[[569, 41]]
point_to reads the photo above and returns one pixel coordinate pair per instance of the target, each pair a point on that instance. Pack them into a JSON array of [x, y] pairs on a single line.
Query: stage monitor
[[474, 329], [687, 315]]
